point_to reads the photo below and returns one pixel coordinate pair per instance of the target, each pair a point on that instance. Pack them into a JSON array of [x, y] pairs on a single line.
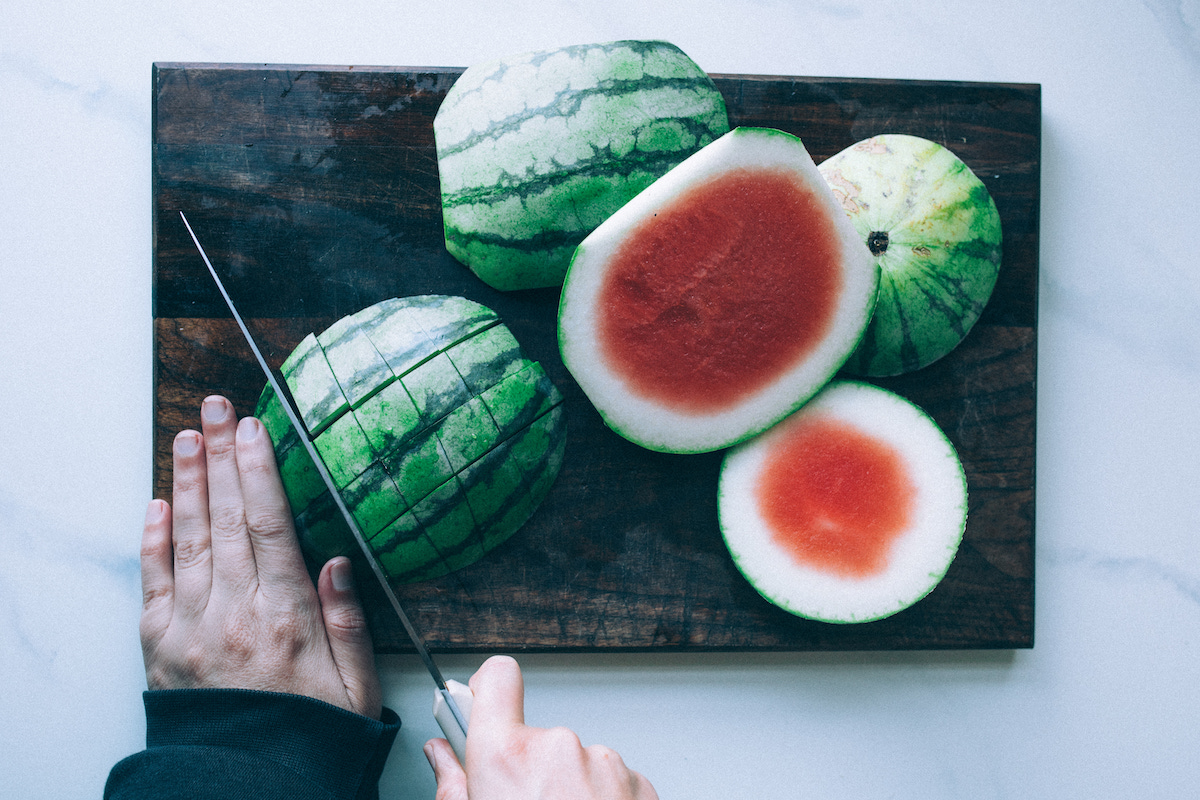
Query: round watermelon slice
[[850, 510], [442, 437], [934, 229], [719, 299]]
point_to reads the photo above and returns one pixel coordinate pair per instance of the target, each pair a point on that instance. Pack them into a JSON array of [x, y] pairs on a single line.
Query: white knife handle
[[455, 733]]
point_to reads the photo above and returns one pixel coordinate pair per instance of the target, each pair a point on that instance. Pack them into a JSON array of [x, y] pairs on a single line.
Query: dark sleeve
[[207, 744]]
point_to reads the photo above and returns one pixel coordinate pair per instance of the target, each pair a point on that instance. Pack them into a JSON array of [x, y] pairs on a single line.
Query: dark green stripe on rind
[[374, 500], [652, 149], [436, 388], [313, 385], [487, 358], [521, 398], [344, 449], [389, 418], [358, 367]]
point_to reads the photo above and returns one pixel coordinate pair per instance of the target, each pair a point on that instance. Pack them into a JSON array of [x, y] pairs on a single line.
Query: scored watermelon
[[932, 225], [441, 435], [850, 510], [536, 150], [719, 299]]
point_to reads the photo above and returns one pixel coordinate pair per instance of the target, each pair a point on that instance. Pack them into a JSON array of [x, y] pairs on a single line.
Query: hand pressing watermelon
[[850, 510], [718, 300], [934, 229], [536, 150], [442, 436]]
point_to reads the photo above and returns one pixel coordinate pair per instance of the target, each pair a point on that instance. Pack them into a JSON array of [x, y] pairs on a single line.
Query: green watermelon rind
[[650, 424], [944, 251], [888, 416], [536, 150], [428, 472]]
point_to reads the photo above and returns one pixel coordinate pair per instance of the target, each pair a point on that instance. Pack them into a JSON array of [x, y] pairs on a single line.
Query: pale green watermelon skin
[[442, 437], [534, 151], [941, 257]]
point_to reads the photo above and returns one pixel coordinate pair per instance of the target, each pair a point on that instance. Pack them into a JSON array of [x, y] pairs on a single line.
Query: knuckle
[[154, 598], [287, 630], [190, 551], [272, 526], [219, 447], [189, 480], [238, 639], [155, 549], [603, 752], [346, 622], [228, 521], [562, 740]]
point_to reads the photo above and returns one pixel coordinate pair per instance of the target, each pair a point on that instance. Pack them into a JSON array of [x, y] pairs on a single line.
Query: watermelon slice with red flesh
[[719, 299], [850, 510]]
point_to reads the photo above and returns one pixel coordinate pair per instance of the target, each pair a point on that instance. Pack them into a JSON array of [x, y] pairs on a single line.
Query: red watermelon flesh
[[719, 299], [850, 510]]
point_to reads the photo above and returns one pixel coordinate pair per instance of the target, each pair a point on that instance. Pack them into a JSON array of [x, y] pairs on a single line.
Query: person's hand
[[227, 601], [508, 760]]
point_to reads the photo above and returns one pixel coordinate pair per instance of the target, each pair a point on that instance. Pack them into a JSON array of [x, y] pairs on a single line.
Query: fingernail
[[213, 409], [155, 512], [187, 443], [247, 429], [429, 756], [342, 575]]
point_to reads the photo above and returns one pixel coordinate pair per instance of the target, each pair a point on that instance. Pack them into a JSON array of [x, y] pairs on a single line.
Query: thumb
[[451, 780], [349, 637], [499, 690]]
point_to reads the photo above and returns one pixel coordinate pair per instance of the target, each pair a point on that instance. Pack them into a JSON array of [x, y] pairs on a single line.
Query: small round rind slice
[[934, 228], [932, 511], [719, 299]]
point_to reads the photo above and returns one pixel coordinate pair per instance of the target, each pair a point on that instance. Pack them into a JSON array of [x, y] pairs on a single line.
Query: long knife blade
[[285, 399]]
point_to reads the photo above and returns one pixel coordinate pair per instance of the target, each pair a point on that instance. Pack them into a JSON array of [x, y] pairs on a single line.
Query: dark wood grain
[[315, 190]]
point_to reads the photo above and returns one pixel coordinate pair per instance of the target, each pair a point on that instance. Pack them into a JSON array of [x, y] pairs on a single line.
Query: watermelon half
[[719, 299], [536, 150], [441, 435], [850, 510], [933, 227]]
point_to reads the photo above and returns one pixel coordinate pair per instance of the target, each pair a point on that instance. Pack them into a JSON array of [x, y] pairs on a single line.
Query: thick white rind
[[919, 557], [658, 427]]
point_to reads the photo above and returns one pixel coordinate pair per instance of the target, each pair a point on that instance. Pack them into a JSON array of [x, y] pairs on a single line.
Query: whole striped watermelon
[[536, 150], [934, 229], [442, 436]]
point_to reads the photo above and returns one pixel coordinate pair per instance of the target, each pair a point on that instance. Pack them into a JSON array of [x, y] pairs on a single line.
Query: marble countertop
[[1105, 704]]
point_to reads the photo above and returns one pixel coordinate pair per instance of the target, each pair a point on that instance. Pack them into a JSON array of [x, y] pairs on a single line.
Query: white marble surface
[[1105, 706]]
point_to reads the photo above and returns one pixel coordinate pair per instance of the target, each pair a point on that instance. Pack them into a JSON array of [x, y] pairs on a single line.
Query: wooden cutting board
[[316, 190]]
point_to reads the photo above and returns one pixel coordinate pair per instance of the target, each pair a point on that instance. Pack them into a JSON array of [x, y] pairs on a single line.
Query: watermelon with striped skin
[[441, 435], [850, 510], [719, 299], [934, 229], [536, 150]]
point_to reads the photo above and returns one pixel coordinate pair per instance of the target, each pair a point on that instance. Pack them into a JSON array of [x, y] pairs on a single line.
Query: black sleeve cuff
[[213, 743]]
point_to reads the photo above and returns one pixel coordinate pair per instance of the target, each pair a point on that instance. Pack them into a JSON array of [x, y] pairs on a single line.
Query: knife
[[452, 700]]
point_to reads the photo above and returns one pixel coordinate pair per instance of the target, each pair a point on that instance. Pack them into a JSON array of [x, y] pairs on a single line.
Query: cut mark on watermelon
[[835, 498], [699, 334]]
